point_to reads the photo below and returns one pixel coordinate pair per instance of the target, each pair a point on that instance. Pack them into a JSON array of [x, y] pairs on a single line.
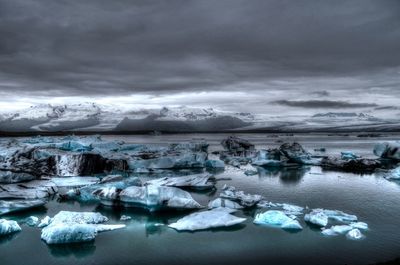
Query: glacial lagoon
[[147, 239]]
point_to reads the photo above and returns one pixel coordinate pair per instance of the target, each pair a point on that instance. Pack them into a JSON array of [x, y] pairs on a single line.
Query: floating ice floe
[[321, 217], [355, 234], [216, 218], [150, 197], [72, 227], [44, 222], [18, 205], [277, 218], [246, 200], [198, 182], [8, 227], [219, 202], [288, 209], [125, 218], [343, 229], [32, 221]]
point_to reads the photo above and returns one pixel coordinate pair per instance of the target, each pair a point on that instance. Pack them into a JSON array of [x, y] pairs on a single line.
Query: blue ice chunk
[[214, 164], [32, 221], [277, 218], [348, 155]]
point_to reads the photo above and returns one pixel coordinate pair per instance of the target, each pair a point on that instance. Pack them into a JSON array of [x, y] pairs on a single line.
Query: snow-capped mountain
[[96, 118]]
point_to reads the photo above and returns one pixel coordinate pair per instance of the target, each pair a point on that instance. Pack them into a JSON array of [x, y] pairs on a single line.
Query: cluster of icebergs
[[39, 167]]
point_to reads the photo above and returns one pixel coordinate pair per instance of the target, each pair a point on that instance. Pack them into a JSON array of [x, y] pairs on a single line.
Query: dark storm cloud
[[312, 104], [102, 47]]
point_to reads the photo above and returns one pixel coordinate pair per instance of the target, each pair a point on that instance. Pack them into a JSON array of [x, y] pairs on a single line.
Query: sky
[[255, 56]]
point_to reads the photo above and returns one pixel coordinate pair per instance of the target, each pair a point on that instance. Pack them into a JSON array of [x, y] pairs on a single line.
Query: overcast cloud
[[300, 54]]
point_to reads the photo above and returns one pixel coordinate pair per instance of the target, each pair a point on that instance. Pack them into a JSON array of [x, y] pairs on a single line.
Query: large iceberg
[[198, 181], [72, 227], [18, 205], [8, 227], [150, 197], [277, 218], [216, 218]]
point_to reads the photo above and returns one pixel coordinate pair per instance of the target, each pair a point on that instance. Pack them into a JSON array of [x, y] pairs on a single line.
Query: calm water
[[370, 197]]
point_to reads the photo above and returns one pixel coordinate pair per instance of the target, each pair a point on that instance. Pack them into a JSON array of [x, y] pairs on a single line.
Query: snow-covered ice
[[216, 218], [8, 227], [72, 227]]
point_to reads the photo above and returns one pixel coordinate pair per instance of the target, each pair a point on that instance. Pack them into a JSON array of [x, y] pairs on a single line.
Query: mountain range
[[92, 117]]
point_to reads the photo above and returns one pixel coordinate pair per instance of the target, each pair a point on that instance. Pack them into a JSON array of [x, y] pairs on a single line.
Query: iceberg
[[246, 200], [336, 230], [125, 218], [348, 155], [35, 189], [32, 221], [388, 150], [340, 216], [150, 197], [351, 165], [277, 218], [393, 174], [44, 222], [317, 217], [61, 234], [74, 181], [73, 227], [215, 218], [78, 218], [73, 146], [320, 217], [198, 182], [8, 227], [219, 202], [214, 164], [8, 176], [236, 145], [355, 234], [360, 225], [18, 205]]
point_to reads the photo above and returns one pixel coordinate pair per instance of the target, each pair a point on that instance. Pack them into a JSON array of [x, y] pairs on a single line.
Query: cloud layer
[[317, 53]]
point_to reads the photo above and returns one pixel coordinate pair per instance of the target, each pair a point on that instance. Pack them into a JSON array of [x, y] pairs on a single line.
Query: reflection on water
[[287, 175], [4, 240], [78, 250]]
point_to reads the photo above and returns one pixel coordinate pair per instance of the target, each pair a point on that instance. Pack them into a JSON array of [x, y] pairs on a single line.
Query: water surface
[[372, 198]]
